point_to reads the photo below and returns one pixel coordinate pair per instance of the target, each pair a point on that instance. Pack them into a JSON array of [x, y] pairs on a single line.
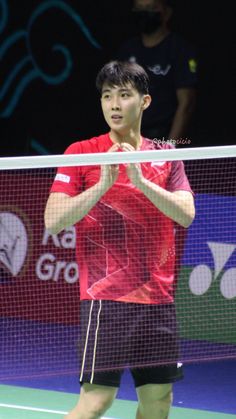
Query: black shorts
[[116, 335]]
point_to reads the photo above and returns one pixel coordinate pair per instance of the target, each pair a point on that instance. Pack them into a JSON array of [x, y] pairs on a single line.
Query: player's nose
[[115, 105]]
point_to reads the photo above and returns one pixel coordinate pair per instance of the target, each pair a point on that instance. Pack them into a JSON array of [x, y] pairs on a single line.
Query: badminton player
[[124, 216]]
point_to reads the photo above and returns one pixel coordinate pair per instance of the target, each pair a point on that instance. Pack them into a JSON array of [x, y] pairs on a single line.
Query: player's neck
[[155, 38]]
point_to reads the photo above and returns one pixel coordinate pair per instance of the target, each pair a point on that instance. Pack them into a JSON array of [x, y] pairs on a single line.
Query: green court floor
[[26, 403]]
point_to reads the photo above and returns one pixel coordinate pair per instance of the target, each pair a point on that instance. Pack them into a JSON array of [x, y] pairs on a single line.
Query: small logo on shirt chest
[[158, 70], [157, 163]]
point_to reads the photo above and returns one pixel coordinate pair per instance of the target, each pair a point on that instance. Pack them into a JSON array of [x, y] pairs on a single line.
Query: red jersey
[[125, 246]]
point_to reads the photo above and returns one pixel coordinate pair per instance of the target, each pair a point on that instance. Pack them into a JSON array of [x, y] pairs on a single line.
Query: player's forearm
[[174, 206], [62, 213]]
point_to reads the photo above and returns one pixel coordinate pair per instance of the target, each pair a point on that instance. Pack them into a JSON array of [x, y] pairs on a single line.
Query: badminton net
[[40, 274]]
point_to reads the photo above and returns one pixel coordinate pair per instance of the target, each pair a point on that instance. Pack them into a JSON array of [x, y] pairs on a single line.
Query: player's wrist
[[141, 183], [102, 187]]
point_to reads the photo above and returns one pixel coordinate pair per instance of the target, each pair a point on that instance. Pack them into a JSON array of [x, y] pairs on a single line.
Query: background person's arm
[[186, 104]]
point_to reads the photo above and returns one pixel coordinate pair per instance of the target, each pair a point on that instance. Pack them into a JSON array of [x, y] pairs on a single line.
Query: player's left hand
[[133, 170]]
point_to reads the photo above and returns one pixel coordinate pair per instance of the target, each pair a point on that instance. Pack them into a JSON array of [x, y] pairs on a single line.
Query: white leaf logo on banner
[[202, 277], [13, 242]]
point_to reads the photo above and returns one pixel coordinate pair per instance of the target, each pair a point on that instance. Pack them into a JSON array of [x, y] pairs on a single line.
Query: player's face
[[123, 107]]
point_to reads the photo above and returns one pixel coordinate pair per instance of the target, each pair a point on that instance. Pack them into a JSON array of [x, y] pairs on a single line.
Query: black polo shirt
[[170, 65]]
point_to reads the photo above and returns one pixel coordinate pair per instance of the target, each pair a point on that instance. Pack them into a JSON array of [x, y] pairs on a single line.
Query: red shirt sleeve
[[68, 179], [178, 179]]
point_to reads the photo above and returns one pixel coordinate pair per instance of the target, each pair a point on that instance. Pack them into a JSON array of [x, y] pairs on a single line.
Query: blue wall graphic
[[27, 67]]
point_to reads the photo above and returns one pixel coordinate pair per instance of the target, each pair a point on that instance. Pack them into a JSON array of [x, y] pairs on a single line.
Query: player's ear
[[146, 101]]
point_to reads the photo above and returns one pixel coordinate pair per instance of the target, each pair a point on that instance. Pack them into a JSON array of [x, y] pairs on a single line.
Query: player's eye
[[125, 94]]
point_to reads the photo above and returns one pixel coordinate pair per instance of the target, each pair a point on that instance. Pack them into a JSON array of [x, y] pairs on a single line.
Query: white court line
[[36, 409]]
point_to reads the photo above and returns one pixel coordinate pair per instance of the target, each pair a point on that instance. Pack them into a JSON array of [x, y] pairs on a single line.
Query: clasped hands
[[109, 173]]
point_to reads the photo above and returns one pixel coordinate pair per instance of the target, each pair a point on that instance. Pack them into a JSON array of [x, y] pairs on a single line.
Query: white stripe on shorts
[[86, 341], [95, 340]]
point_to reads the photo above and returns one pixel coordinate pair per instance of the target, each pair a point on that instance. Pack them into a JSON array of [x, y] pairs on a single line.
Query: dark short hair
[[121, 73]]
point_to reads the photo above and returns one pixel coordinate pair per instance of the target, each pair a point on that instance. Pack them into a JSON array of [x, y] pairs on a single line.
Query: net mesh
[[40, 277]]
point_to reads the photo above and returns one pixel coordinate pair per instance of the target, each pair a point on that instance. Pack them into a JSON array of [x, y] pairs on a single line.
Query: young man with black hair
[[124, 216]]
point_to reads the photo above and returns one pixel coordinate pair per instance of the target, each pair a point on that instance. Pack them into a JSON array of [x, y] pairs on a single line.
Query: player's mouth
[[116, 117]]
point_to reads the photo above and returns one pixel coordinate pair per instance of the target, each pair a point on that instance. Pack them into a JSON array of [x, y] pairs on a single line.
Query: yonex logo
[[13, 242], [202, 277]]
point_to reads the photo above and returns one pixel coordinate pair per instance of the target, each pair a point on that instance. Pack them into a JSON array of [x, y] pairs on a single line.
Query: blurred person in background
[[170, 62]]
